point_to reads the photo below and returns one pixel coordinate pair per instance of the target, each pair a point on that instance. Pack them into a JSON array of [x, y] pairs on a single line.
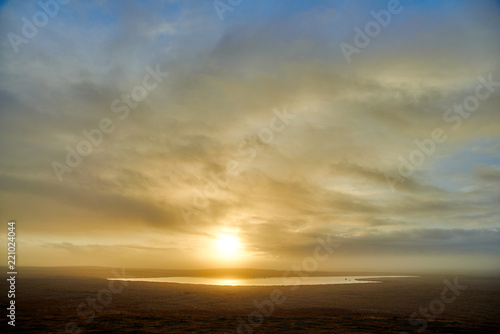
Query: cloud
[[324, 172]]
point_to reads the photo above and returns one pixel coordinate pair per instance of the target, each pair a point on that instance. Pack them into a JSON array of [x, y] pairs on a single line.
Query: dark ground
[[47, 301]]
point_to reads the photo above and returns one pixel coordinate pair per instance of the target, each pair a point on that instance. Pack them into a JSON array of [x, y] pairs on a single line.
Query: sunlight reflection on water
[[267, 281]]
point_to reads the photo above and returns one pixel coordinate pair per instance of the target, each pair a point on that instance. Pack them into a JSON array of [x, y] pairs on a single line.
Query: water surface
[[268, 281]]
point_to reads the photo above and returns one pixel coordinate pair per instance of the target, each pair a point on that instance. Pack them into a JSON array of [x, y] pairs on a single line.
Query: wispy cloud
[[326, 173]]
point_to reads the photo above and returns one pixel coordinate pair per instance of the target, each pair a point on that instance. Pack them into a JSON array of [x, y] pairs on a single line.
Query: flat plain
[[70, 300]]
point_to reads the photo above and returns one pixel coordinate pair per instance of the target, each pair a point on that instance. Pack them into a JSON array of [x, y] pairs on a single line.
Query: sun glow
[[228, 245]]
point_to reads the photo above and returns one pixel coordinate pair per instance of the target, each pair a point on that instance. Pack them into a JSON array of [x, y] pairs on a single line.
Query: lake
[[268, 281]]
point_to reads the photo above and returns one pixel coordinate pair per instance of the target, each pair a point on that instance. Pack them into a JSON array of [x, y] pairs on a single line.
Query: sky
[[208, 134]]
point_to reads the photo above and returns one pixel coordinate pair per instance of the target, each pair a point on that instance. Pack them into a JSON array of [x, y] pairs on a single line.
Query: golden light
[[230, 282], [228, 245]]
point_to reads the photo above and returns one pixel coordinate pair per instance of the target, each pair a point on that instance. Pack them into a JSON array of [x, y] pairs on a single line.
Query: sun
[[228, 244]]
